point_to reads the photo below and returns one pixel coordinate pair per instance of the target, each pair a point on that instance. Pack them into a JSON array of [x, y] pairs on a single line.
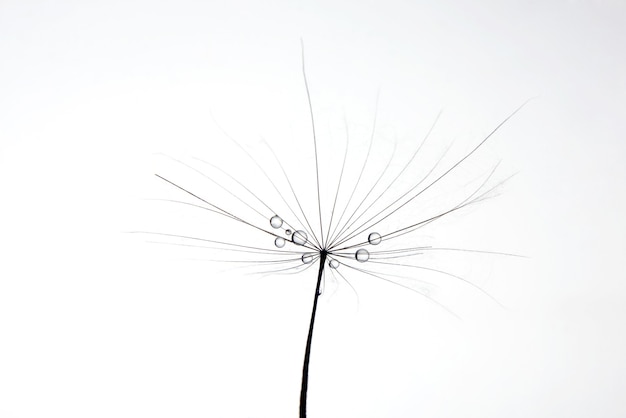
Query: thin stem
[[307, 352]]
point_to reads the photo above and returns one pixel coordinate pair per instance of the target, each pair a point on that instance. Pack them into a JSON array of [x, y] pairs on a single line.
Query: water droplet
[[299, 237], [333, 264], [276, 221], [279, 242], [362, 255], [307, 258], [374, 238], [287, 231]]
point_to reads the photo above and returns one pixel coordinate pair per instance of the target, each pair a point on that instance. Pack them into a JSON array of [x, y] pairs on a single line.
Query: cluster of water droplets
[[362, 255], [300, 237]]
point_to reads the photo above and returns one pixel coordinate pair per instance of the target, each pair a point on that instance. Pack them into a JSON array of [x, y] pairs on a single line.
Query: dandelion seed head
[[367, 191]]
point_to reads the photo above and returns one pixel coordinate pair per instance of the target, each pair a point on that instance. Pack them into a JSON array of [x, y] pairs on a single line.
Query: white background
[[95, 322]]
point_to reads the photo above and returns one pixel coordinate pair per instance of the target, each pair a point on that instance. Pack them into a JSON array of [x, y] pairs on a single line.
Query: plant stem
[[307, 352]]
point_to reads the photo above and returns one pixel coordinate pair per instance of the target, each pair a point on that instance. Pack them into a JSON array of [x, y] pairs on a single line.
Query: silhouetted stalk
[[307, 352]]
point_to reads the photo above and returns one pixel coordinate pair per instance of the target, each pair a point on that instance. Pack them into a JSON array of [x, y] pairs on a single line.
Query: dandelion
[[359, 225]]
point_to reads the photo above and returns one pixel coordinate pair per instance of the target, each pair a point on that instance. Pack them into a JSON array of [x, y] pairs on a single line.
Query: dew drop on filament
[[333, 264], [362, 255], [279, 242], [287, 231], [307, 258], [276, 221], [374, 238], [299, 237]]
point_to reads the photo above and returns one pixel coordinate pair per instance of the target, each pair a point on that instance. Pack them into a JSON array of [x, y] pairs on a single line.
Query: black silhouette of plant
[[369, 232]]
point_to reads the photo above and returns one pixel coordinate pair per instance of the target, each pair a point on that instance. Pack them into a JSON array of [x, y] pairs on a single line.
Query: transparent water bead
[[334, 264], [299, 237], [374, 238], [307, 258], [276, 221], [279, 242], [287, 231], [362, 255]]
